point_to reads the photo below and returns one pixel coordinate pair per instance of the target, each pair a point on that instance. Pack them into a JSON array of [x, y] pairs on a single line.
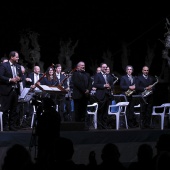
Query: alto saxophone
[[116, 79], [112, 91], [129, 92], [146, 92]]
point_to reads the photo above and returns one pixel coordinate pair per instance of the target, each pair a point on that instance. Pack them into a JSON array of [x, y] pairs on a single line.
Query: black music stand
[[23, 99], [120, 98], [139, 99]]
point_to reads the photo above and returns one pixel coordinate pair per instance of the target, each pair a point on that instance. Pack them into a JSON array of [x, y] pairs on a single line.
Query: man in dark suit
[[34, 77], [145, 82], [10, 76], [104, 85], [81, 83], [60, 98], [127, 85]]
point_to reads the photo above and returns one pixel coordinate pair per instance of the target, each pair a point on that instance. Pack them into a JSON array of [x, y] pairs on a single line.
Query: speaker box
[[72, 126]]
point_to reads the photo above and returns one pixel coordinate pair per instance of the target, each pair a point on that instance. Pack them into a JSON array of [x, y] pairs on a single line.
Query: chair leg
[[126, 122], [1, 121], [117, 122], [162, 122], [95, 121]]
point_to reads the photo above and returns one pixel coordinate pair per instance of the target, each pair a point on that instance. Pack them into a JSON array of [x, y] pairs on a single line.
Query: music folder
[[51, 89]]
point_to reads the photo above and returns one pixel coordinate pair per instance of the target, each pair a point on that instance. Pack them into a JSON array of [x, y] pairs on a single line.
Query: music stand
[[120, 98], [140, 99], [23, 99]]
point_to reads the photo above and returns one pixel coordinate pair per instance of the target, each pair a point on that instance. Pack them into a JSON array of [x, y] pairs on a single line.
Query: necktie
[[105, 77], [131, 79], [13, 71]]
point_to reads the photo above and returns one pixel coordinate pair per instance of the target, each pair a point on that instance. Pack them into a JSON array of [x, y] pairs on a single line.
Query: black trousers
[[9, 108]]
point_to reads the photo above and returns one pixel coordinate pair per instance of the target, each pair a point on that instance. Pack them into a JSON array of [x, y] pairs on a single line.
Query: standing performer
[[127, 85], [144, 86], [82, 84], [10, 76], [60, 99], [104, 85]]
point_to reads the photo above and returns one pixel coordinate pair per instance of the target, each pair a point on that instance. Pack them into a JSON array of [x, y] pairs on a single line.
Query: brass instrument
[[116, 79], [129, 92], [112, 92], [148, 92]]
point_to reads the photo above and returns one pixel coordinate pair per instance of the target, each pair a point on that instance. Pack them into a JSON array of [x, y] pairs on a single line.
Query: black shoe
[[12, 128]]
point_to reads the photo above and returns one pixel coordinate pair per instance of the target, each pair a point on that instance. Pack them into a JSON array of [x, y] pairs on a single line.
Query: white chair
[[33, 116], [137, 109], [1, 121], [137, 113], [120, 110], [162, 111], [92, 110]]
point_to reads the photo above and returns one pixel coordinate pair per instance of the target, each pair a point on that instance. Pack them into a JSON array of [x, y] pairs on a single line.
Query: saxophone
[[112, 91], [148, 92], [129, 92], [116, 79]]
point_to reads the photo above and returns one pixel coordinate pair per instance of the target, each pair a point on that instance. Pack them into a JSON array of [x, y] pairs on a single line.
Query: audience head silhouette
[[17, 157], [163, 143], [64, 149], [145, 153], [110, 152]]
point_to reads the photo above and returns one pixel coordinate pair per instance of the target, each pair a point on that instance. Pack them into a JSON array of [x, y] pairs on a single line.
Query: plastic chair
[[120, 111], [162, 111], [33, 116], [1, 121], [92, 110], [137, 113]]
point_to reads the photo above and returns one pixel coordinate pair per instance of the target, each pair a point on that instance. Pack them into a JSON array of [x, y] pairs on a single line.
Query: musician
[[82, 84], [33, 77], [104, 85], [60, 99], [127, 85], [50, 79], [93, 90], [10, 76], [144, 82]]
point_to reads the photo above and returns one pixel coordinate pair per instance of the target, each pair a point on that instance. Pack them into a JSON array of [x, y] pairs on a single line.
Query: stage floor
[[127, 140]]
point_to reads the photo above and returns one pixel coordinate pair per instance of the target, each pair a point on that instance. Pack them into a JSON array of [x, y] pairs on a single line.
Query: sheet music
[[24, 93], [47, 88]]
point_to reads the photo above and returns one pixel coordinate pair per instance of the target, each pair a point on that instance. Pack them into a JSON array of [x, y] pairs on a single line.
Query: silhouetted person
[[163, 145], [163, 161], [144, 155], [17, 157], [92, 160], [47, 130], [64, 150], [110, 158]]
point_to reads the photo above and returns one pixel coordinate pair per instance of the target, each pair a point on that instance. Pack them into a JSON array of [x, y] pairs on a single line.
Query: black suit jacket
[[142, 83], [63, 81], [99, 82], [80, 82], [5, 75], [31, 76], [125, 83]]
